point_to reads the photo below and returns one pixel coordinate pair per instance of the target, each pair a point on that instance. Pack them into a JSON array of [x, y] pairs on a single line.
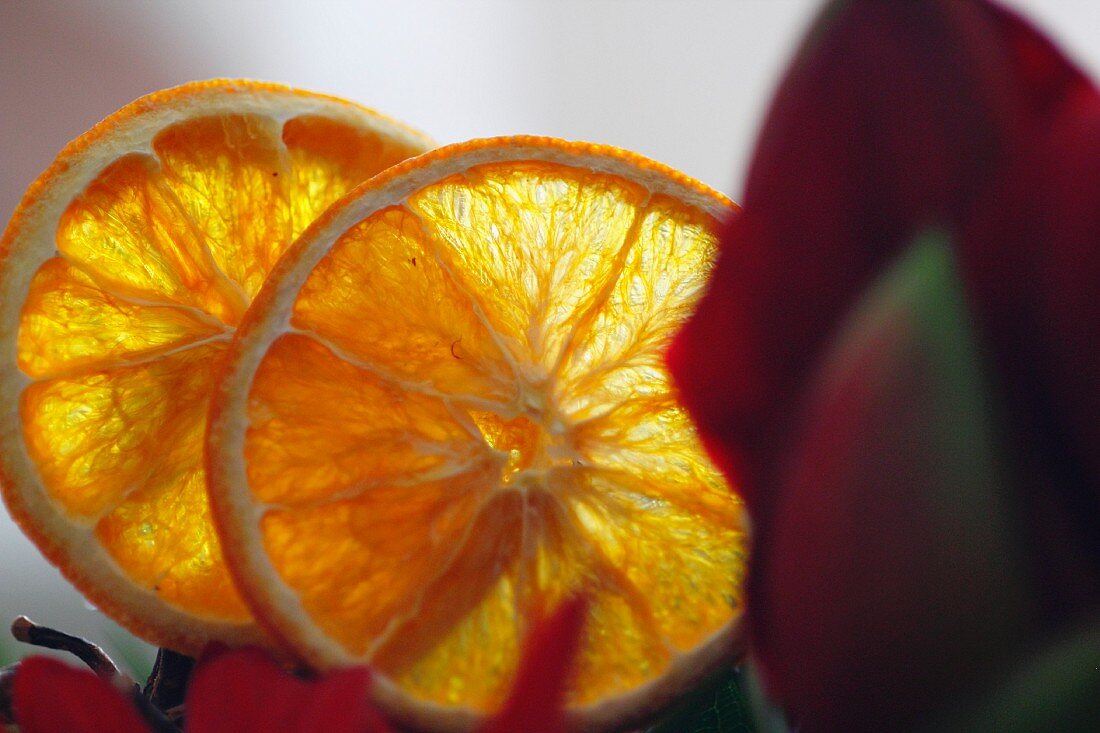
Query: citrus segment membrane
[[441, 346], [71, 324], [229, 176], [131, 235], [97, 436], [532, 251], [448, 411], [323, 427], [329, 157], [133, 258]]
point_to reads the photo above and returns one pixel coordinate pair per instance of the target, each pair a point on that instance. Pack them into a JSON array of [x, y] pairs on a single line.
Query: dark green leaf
[[1056, 689], [729, 702]]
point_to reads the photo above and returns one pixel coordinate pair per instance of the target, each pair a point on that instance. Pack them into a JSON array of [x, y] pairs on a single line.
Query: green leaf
[[718, 706], [729, 702], [1056, 689]]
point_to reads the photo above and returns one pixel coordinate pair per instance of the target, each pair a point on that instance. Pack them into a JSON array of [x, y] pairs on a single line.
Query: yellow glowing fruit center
[[521, 446]]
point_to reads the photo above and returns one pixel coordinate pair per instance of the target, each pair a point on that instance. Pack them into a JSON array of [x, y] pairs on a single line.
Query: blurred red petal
[[51, 697], [1069, 301], [1032, 262], [535, 704], [891, 581], [1051, 86], [870, 136], [246, 690], [895, 117]]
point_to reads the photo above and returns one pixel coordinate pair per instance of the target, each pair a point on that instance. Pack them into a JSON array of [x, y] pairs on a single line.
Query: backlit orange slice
[[448, 410], [124, 272]]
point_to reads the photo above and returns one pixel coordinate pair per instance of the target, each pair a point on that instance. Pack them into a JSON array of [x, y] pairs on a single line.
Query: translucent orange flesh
[[123, 330], [470, 419]]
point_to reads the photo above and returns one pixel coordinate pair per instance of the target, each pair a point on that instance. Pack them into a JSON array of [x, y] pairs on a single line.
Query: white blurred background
[[682, 81]]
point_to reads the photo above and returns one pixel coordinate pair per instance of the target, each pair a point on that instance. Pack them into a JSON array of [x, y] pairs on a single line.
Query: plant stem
[[28, 632]]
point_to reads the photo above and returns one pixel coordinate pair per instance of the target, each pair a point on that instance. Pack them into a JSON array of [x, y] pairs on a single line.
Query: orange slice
[[448, 410], [124, 273]]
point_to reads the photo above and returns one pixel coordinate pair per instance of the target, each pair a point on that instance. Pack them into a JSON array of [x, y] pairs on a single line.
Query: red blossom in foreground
[[898, 359], [51, 697], [246, 690], [535, 702]]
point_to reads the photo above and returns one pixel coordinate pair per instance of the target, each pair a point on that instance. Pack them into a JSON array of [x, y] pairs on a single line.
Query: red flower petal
[[1033, 263], [535, 702], [890, 580], [51, 697], [871, 136], [246, 690], [893, 118]]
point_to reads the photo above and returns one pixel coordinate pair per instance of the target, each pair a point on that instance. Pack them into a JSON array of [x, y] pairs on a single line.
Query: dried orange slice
[[448, 410], [124, 272]]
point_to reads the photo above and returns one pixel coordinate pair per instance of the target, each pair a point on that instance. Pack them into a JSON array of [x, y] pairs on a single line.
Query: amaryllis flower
[[52, 696], [238, 690], [899, 360], [245, 690]]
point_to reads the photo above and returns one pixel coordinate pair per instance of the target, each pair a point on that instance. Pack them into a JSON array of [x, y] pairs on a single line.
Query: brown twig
[[167, 684], [157, 719], [175, 715], [28, 632], [164, 688]]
